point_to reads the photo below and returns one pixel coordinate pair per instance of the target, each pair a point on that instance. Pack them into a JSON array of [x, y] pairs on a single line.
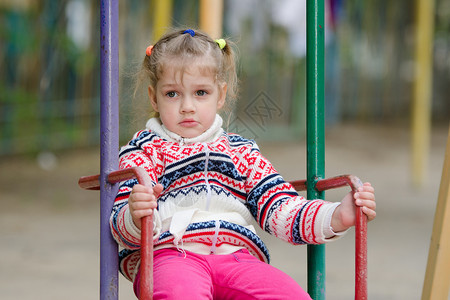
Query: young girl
[[208, 186]]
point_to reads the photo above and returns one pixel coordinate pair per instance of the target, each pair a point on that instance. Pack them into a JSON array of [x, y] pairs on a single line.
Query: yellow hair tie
[[221, 42]]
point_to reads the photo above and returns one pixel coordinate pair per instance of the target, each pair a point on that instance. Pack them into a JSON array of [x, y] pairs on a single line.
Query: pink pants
[[235, 276]]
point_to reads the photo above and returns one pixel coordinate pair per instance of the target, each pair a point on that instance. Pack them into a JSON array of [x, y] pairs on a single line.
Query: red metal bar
[[146, 267], [360, 231], [299, 185], [90, 182], [360, 227]]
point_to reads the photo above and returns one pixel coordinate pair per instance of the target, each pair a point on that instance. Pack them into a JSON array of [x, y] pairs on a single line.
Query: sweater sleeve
[[123, 229], [280, 210]]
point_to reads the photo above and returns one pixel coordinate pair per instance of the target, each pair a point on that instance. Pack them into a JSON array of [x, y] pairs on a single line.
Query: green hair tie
[[221, 42]]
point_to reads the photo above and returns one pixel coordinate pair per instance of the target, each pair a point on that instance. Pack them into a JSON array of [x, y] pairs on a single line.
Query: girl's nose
[[187, 105]]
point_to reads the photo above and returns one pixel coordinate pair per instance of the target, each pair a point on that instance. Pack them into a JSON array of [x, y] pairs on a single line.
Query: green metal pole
[[315, 134]]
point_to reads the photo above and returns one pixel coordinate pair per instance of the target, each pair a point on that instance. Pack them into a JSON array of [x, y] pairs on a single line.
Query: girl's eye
[[171, 94], [201, 93]]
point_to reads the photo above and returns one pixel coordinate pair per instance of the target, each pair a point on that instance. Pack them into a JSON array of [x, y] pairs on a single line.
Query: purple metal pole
[[109, 143]]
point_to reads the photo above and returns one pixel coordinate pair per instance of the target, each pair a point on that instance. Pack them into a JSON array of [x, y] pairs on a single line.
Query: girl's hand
[[345, 214], [142, 201]]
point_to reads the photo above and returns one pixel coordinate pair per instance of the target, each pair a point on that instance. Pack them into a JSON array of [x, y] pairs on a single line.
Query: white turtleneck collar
[[212, 133]]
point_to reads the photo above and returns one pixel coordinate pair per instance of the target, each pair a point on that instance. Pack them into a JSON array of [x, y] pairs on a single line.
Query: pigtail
[[228, 74], [229, 67]]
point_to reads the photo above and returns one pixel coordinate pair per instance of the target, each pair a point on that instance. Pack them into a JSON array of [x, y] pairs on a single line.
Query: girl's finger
[[141, 189], [365, 196], [143, 197], [368, 189], [142, 213], [143, 205], [366, 203], [371, 214], [369, 204]]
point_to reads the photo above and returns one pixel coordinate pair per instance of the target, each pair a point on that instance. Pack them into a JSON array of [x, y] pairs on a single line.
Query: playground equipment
[[93, 183], [109, 176], [423, 89], [437, 276]]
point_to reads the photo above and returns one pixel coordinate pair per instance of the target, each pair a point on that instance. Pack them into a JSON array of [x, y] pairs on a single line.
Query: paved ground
[[49, 227]]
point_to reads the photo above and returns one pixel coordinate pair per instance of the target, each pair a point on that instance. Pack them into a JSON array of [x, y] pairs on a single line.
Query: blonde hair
[[181, 47]]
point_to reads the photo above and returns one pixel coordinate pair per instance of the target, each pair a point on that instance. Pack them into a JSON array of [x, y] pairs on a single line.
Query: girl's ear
[[152, 97], [222, 95]]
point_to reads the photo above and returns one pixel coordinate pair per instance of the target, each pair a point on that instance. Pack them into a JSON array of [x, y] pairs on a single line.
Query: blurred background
[[49, 66], [374, 113]]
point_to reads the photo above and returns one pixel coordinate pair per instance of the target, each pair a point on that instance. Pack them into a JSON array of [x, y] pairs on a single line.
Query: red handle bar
[[360, 227], [93, 183]]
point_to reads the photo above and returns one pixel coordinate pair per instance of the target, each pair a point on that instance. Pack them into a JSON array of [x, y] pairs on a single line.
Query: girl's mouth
[[188, 123]]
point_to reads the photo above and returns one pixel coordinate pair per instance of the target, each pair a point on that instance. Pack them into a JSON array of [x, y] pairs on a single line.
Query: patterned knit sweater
[[215, 186]]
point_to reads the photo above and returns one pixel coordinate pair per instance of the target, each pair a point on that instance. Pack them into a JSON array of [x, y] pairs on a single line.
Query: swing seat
[[146, 266]]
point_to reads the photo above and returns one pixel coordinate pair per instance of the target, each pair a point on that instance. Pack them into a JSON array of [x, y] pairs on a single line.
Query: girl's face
[[187, 102]]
